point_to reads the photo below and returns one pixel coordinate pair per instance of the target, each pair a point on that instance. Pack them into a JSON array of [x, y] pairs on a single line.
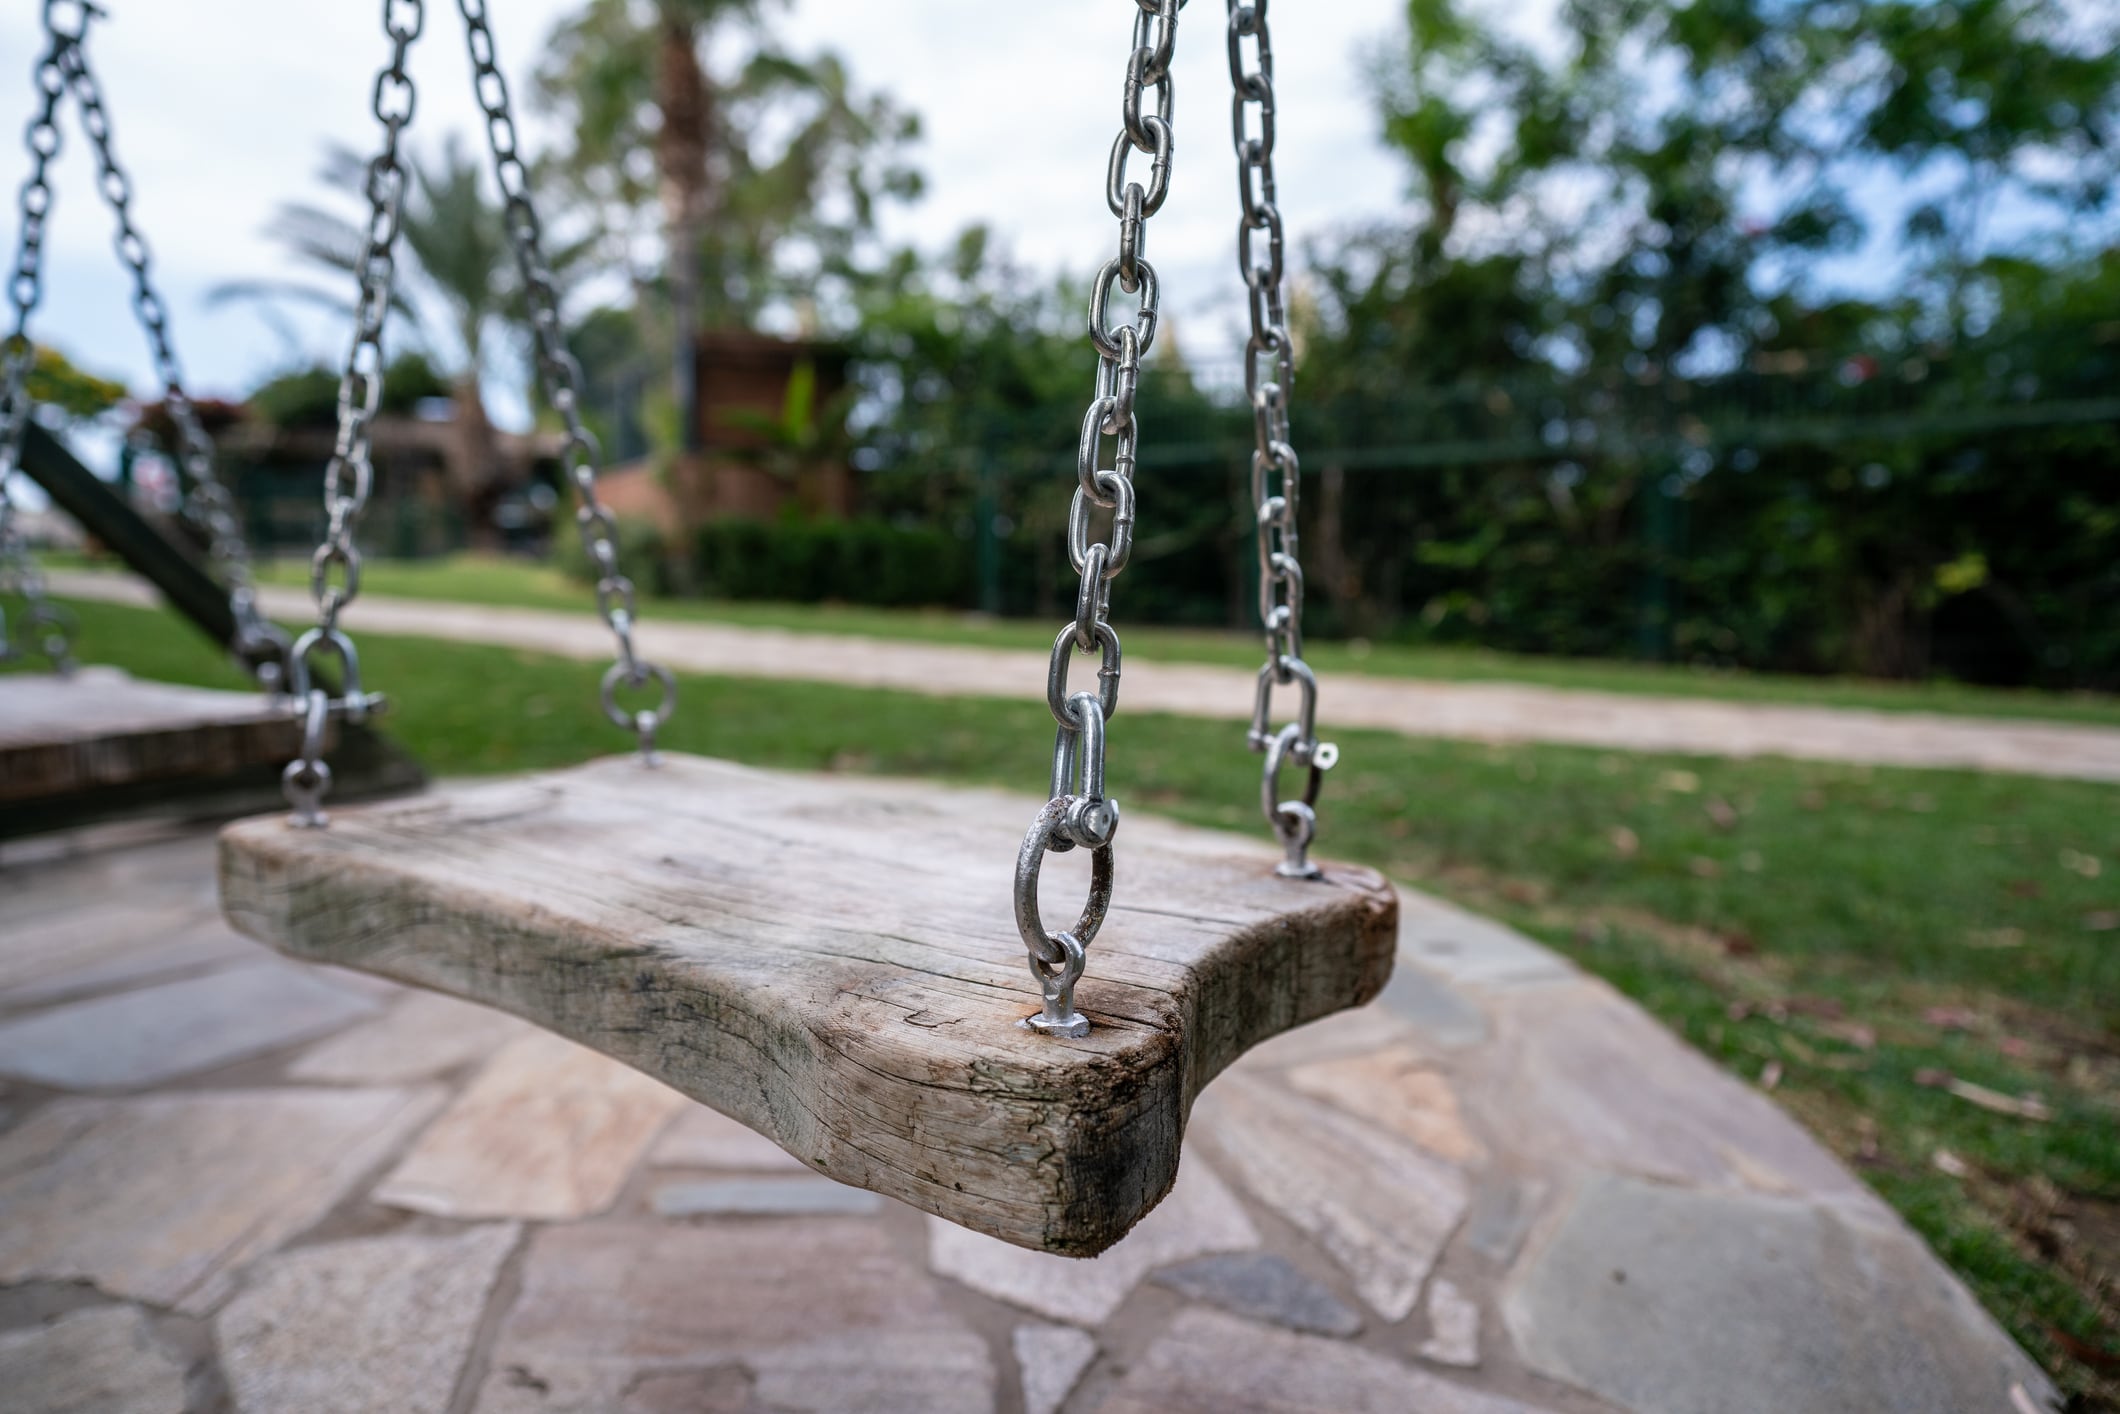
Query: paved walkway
[[233, 1182], [1492, 712]]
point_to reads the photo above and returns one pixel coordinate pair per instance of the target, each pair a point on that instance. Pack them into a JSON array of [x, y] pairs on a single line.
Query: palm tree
[[649, 124], [453, 248], [611, 64]]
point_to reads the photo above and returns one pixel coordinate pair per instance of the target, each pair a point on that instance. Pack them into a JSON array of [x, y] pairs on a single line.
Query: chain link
[[1079, 813], [1276, 476], [350, 475], [560, 377], [25, 288], [259, 644]]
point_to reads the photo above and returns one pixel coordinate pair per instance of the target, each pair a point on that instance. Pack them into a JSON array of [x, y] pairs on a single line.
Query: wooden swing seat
[[100, 727], [100, 744], [833, 962]]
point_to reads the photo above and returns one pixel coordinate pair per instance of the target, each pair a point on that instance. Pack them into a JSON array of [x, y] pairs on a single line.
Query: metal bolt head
[[1073, 1025]]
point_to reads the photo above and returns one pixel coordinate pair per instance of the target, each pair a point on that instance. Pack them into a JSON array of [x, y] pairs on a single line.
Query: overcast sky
[[222, 107]]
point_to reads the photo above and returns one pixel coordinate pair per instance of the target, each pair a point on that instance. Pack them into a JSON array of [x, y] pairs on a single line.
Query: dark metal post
[[111, 519]]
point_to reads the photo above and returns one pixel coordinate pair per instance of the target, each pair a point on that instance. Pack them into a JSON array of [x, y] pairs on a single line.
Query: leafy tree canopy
[[769, 172], [1667, 184]]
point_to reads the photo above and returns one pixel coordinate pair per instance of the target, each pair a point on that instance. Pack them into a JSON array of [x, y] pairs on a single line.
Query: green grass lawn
[[492, 580], [1858, 935]]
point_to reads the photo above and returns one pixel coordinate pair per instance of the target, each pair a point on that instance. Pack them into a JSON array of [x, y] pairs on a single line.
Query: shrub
[[853, 561]]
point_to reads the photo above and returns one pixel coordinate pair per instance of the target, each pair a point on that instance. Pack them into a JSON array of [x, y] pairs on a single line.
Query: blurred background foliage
[[1765, 333]]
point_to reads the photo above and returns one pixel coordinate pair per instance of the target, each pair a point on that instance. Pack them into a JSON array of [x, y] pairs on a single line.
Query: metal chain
[[1079, 812], [560, 377], [350, 476], [260, 645], [25, 289], [1269, 377]]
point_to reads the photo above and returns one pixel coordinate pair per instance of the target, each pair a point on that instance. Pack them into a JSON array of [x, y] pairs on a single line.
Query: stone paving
[[1468, 711], [228, 1182]]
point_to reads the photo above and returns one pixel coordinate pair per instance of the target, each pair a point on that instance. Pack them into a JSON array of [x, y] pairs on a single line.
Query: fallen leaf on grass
[[1944, 1161], [1951, 1018], [1739, 944], [1770, 1075], [1861, 1037], [1684, 782], [1995, 938], [2077, 862], [1702, 867], [2105, 920], [2023, 1106], [2015, 1047], [1625, 843], [1721, 813], [1994, 1101], [2083, 1350], [2026, 888], [1811, 1056]]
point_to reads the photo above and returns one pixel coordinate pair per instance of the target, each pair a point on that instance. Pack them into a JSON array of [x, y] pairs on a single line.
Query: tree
[[56, 381], [748, 222], [1781, 208], [452, 247], [1670, 171]]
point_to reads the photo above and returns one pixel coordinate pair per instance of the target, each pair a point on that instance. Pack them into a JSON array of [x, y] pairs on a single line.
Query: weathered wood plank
[[102, 745], [833, 962], [101, 727]]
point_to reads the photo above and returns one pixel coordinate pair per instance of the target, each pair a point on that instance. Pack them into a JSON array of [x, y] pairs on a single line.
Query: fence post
[[1652, 602], [986, 537]]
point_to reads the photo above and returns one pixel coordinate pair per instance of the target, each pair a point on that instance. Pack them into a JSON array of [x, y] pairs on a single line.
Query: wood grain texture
[[832, 962], [100, 728]]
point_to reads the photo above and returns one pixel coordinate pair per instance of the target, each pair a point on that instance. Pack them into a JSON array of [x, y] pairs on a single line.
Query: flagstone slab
[[1445, 1018], [763, 1197], [1453, 1326], [101, 898], [1199, 1216], [1502, 1214], [1051, 1360], [374, 1324], [704, 1138], [42, 965], [821, 1314], [1584, 1073], [1669, 1301], [152, 1034], [1471, 950], [1209, 1363], [161, 1198], [1348, 1033], [1263, 1287], [421, 1036], [548, 1130], [101, 1360], [550, 1389], [1379, 1206], [1395, 1089]]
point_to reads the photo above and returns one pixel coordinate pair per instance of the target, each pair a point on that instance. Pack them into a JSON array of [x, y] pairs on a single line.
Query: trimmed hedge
[[851, 561]]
